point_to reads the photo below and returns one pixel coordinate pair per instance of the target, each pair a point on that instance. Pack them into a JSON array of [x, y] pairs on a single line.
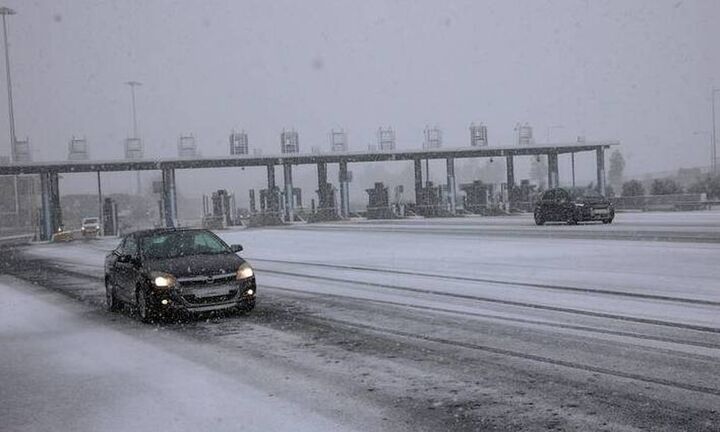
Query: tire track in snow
[[503, 318], [498, 282], [501, 301], [453, 295], [521, 355]]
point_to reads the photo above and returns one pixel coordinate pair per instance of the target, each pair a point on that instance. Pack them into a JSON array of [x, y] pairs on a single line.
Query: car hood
[[196, 265]]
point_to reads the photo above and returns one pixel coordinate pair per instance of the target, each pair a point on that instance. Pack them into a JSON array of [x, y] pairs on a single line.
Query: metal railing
[[696, 201]]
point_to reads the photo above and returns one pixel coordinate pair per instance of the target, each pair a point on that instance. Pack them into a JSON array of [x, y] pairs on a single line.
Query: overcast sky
[[636, 71]]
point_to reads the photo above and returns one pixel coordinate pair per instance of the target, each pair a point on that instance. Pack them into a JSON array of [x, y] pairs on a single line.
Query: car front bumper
[[589, 213], [241, 294]]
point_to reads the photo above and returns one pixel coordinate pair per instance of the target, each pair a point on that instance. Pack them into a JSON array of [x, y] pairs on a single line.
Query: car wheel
[[572, 220], [539, 219], [607, 221], [143, 307], [111, 302]]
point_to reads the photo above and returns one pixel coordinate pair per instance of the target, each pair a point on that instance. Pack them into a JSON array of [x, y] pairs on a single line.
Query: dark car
[[573, 206], [166, 270]]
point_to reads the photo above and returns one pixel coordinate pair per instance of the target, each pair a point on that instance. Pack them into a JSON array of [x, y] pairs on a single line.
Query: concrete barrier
[[15, 240], [662, 202]]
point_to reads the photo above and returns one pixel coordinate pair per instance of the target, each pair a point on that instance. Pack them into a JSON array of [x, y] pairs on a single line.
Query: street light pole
[[132, 85], [4, 11], [714, 141], [710, 138]]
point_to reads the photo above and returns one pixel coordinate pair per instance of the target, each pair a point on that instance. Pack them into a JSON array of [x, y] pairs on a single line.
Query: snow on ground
[[61, 370], [646, 268], [652, 268], [630, 360]]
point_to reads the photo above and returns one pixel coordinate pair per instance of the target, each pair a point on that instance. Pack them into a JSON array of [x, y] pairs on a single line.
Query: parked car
[[573, 206], [166, 270], [90, 227]]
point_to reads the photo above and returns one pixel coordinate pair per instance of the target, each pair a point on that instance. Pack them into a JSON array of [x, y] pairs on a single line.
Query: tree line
[[708, 184]]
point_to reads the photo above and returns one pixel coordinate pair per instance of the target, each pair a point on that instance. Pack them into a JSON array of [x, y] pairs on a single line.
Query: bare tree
[[633, 188], [666, 186]]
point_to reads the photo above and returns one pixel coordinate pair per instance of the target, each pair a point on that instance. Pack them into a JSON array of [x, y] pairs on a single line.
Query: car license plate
[[600, 211], [211, 291]]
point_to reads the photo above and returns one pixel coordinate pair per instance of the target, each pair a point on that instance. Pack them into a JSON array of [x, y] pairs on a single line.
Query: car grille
[[192, 299], [206, 281], [190, 285]]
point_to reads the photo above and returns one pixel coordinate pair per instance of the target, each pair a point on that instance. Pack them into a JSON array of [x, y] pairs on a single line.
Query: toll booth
[[253, 206], [477, 196], [326, 198], [223, 205], [219, 210], [269, 212], [51, 212], [398, 201], [296, 203], [270, 201], [297, 197], [326, 209], [379, 203], [431, 203], [524, 195], [18, 203], [110, 217]]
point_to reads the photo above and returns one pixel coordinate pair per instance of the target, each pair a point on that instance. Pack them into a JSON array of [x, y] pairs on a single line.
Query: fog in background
[[636, 71]]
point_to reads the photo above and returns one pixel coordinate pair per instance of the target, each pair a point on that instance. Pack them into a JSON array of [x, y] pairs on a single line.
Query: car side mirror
[[236, 248]]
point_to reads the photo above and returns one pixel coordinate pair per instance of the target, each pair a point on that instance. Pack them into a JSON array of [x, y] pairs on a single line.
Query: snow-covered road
[[580, 328], [63, 367]]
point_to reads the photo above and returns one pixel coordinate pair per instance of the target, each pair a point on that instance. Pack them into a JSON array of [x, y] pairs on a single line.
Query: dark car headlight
[[163, 280], [245, 271]]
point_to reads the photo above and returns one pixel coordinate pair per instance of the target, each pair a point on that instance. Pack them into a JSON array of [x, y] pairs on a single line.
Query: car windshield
[[585, 193], [90, 220], [183, 243]]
